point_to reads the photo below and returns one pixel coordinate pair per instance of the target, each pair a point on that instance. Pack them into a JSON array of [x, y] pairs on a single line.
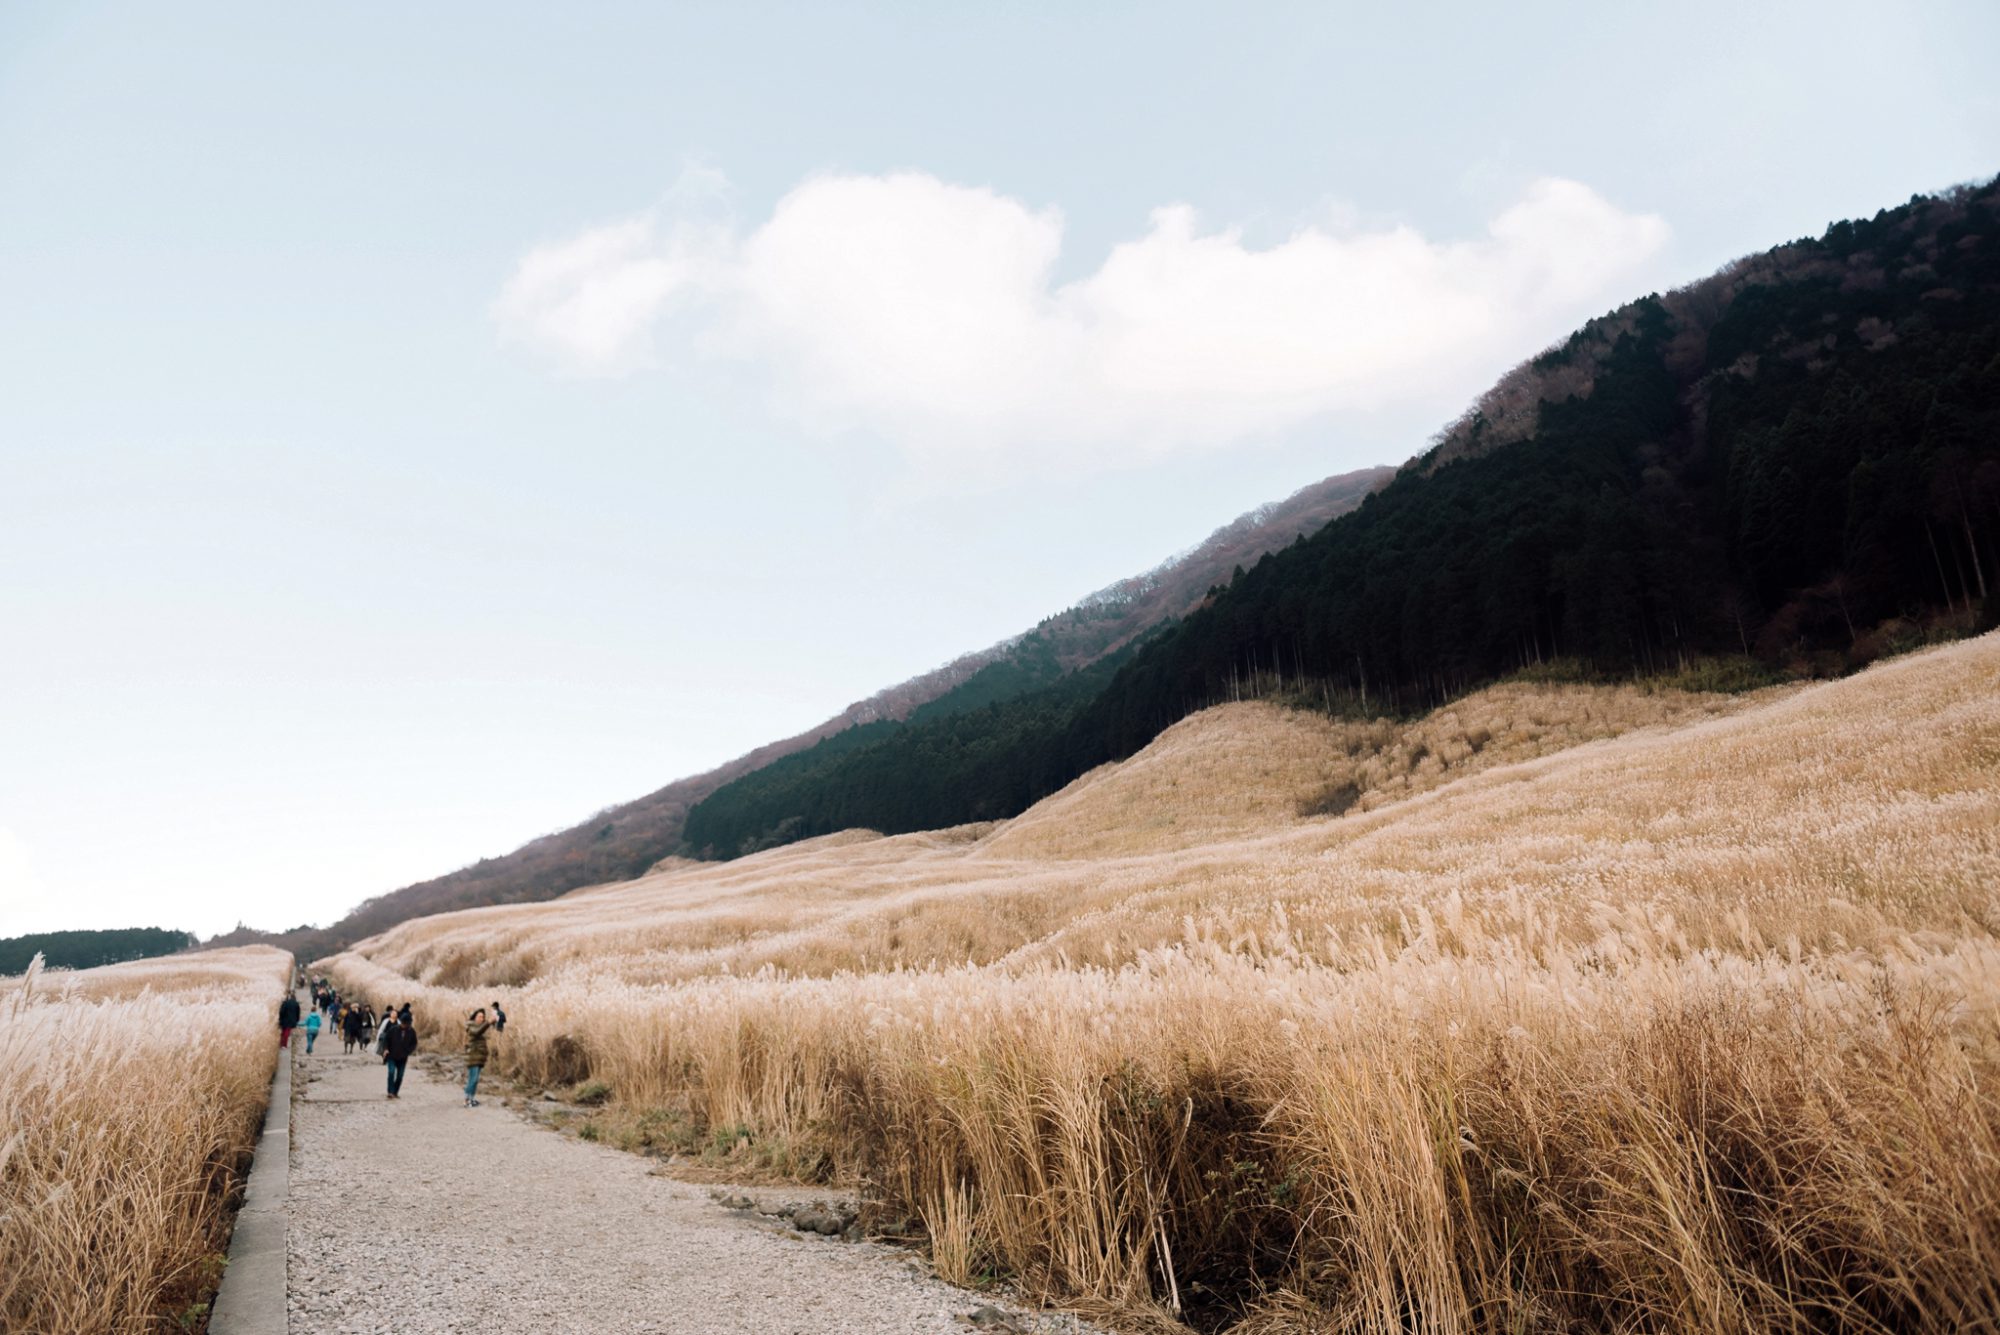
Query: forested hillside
[[1795, 461], [625, 840], [944, 768]]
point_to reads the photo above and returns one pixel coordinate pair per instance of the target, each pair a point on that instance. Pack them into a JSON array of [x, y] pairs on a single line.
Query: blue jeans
[[396, 1075], [472, 1081], [311, 1034]]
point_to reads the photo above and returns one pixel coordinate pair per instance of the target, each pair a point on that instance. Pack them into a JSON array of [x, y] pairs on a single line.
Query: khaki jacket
[[475, 1042]]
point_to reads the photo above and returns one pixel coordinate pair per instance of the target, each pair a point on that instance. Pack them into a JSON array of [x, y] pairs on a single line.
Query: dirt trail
[[423, 1215]]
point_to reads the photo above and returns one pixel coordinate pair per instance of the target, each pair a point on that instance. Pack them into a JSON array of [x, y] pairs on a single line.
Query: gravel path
[[423, 1215]]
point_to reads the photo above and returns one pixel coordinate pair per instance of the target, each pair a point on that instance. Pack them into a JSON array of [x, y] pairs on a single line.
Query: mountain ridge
[[597, 850], [1794, 462]]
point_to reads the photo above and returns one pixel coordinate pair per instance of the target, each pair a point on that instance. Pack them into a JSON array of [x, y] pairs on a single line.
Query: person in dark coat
[[399, 1040], [499, 1019], [350, 1028], [288, 1019]]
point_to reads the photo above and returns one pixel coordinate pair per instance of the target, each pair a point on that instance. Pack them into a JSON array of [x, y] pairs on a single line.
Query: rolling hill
[[1784, 470], [1594, 1007]]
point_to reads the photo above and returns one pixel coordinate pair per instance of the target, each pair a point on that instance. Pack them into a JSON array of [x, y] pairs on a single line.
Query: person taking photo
[[476, 1054]]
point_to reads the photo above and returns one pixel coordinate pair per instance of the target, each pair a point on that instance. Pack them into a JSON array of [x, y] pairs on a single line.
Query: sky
[[424, 426]]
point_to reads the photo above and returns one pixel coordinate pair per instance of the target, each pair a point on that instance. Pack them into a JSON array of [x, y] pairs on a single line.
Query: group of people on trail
[[395, 1033]]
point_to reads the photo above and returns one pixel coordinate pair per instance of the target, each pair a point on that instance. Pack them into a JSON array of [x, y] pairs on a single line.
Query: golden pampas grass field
[[130, 1098], [1563, 1008]]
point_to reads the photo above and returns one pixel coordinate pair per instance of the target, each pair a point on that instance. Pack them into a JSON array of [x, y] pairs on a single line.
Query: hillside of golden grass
[[130, 1097], [1592, 1008], [1226, 781]]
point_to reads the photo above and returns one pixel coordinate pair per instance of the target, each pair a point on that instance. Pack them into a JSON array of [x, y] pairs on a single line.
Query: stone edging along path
[[251, 1300]]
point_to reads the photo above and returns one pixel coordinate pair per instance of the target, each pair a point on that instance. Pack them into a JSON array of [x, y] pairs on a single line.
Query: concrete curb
[[252, 1300]]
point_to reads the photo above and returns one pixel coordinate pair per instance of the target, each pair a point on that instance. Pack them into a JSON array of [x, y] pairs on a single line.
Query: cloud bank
[[928, 313]]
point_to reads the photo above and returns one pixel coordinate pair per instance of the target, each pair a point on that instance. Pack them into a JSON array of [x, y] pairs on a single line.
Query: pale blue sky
[[423, 425]]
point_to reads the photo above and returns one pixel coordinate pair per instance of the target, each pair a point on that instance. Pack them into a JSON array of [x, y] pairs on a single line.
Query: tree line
[[89, 949]]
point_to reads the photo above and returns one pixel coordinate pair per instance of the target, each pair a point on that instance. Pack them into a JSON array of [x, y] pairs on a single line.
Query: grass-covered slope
[[1219, 787], [130, 1098], [1597, 1009]]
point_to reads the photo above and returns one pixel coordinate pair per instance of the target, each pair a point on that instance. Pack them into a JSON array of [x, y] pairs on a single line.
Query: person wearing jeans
[[312, 1029], [475, 1054], [398, 1042]]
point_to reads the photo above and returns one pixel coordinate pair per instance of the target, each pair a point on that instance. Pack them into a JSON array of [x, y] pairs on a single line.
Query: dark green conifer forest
[[1793, 464], [88, 949]]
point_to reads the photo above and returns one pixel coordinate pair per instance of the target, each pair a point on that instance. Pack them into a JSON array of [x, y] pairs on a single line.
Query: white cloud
[[928, 313], [591, 301]]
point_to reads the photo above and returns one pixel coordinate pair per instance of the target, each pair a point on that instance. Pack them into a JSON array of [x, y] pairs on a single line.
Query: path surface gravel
[[422, 1215]]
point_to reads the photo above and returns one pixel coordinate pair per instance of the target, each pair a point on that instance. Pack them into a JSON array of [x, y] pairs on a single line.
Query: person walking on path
[[312, 1030], [350, 1028], [288, 1019], [398, 1042], [475, 1054]]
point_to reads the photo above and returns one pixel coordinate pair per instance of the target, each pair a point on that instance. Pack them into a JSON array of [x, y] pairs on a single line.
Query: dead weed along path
[[423, 1216]]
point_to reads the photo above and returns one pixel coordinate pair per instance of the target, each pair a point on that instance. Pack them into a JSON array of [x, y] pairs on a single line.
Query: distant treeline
[[87, 950], [1797, 459]]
